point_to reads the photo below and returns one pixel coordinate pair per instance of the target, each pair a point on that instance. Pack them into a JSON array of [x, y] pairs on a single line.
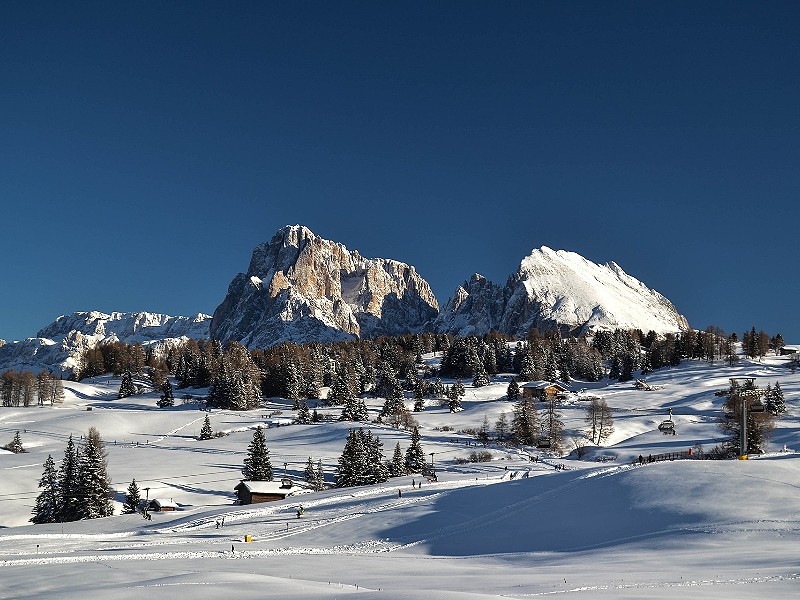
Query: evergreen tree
[[303, 415], [501, 426], [481, 377], [555, 426], [206, 433], [310, 474], [257, 466], [353, 466], [512, 393], [126, 386], [167, 398], [293, 383], [775, 402], [95, 490], [355, 409], [453, 400], [378, 471], [415, 457], [320, 474], [132, 499], [69, 485], [459, 388], [15, 445], [397, 466], [48, 501], [524, 422]]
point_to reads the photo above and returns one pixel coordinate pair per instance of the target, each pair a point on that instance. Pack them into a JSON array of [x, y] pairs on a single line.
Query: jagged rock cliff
[[301, 287], [559, 289], [58, 346]]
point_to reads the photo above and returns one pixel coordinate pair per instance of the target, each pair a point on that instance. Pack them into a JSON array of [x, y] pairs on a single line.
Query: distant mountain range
[[300, 287]]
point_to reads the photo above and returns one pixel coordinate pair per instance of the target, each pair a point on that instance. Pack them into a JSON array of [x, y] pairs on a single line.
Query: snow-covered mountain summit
[[59, 345], [301, 287], [559, 289]]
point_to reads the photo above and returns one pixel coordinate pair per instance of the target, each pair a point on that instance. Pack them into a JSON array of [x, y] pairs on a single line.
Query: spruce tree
[[69, 485], [415, 457], [524, 422], [355, 409], [95, 490], [397, 466], [126, 386], [320, 476], [257, 465], [481, 378], [501, 427], [132, 499], [167, 398], [459, 388], [453, 399], [206, 433], [310, 473], [303, 415], [512, 393], [353, 466], [15, 445], [774, 401], [47, 509]]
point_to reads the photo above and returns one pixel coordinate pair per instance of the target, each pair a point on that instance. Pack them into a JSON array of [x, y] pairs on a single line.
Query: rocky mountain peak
[[302, 287]]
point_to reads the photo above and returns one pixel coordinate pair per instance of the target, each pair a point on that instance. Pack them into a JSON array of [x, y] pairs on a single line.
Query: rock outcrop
[[300, 287]]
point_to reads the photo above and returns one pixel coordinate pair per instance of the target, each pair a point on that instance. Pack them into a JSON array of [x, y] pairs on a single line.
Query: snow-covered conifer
[[257, 465], [415, 457], [46, 509], [206, 433], [132, 499]]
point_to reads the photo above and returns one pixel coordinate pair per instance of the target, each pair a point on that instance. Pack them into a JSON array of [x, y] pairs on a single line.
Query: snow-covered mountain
[[58, 345], [301, 287], [559, 289]]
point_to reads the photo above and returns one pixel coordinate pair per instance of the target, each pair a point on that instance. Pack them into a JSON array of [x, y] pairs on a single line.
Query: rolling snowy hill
[[509, 527]]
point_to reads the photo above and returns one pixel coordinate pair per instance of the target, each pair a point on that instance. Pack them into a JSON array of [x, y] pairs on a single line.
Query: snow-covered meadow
[[603, 527]]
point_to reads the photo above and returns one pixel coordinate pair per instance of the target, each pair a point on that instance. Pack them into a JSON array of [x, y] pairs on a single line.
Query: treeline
[[388, 367], [26, 389]]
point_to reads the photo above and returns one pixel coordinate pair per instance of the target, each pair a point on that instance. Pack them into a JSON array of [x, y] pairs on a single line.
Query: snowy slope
[[697, 529]]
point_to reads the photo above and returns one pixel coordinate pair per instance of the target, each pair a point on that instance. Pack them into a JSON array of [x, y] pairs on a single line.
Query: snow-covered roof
[[160, 502], [540, 385], [273, 487]]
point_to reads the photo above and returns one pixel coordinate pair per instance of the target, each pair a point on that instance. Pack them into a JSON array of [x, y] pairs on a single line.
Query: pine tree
[[206, 433], [355, 409], [378, 471], [132, 499], [774, 401], [69, 485], [501, 427], [512, 393], [555, 426], [15, 445], [397, 466], [453, 400], [46, 509], [94, 491], [303, 415], [353, 466], [320, 476], [126, 386], [481, 378], [459, 388], [257, 466], [167, 398], [310, 473], [524, 423], [415, 457]]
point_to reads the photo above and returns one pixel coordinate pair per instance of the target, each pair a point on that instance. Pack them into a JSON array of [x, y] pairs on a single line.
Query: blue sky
[[148, 147]]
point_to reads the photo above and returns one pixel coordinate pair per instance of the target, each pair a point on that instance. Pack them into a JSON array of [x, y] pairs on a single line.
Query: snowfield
[[601, 527]]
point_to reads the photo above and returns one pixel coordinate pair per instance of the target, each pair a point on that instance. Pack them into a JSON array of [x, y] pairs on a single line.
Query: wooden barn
[[253, 492], [543, 390], [161, 505]]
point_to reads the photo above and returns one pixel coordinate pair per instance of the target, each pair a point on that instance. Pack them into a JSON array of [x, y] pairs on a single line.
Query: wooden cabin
[[161, 505], [253, 492], [544, 390]]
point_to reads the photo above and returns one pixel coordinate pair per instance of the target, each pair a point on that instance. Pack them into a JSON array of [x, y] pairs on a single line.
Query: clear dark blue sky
[[147, 147]]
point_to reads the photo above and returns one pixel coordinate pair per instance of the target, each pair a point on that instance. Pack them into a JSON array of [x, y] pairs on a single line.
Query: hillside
[[595, 529]]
